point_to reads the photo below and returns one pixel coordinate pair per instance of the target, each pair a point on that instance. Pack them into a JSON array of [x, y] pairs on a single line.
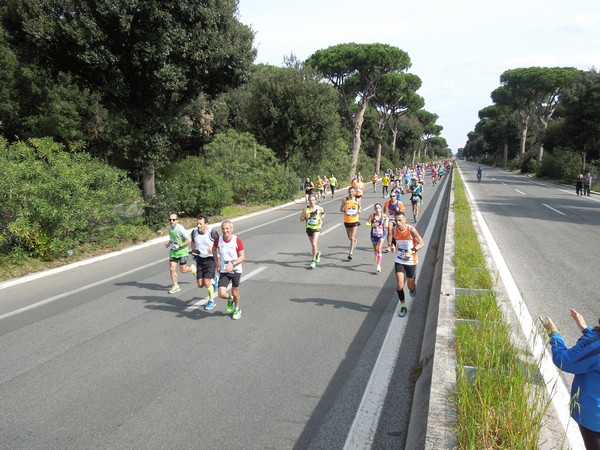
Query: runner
[[385, 182], [178, 250], [407, 177], [391, 208], [408, 243], [415, 189], [308, 188], [359, 184], [203, 239], [374, 179], [313, 215], [397, 189], [378, 222], [351, 208], [228, 252], [333, 184], [320, 189]]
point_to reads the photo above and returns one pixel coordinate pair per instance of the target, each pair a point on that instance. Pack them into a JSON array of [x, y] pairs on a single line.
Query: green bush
[[365, 166], [252, 170], [335, 161], [561, 164], [529, 163], [191, 186], [54, 200]]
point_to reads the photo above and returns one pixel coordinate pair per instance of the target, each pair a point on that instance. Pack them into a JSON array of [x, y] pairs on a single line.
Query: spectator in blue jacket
[[583, 360]]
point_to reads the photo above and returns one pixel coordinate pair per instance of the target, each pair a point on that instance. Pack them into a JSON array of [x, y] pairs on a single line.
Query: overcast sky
[[459, 48]]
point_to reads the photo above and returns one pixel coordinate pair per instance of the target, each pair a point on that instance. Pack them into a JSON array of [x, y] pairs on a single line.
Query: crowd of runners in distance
[[217, 258], [387, 224]]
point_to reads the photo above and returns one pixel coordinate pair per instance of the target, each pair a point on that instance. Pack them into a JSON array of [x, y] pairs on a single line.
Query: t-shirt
[[229, 251]]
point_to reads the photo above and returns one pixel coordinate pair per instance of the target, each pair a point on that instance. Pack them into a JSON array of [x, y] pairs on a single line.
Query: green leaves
[[54, 200]]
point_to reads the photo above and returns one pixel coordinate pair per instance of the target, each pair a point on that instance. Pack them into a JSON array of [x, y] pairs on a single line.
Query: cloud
[[580, 24]]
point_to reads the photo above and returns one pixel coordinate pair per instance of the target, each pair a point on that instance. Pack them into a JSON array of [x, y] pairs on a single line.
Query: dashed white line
[[554, 209], [330, 229], [520, 192], [75, 291]]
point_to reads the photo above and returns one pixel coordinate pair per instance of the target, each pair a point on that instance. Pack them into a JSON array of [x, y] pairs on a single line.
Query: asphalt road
[[102, 356]]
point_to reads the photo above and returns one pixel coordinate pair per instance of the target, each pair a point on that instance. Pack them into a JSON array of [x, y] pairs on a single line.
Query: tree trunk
[[357, 122], [148, 185], [378, 158], [540, 153], [522, 141], [394, 138], [505, 155]]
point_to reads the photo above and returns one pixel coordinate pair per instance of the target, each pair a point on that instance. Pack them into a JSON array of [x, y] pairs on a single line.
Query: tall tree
[[355, 70], [430, 129], [510, 97], [581, 112], [499, 128], [8, 102], [536, 92], [396, 95], [148, 59], [291, 112]]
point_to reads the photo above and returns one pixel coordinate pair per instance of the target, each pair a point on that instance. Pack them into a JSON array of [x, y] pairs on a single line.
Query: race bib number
[[312, 221], [378, 232], [415, 198], [352, 211]]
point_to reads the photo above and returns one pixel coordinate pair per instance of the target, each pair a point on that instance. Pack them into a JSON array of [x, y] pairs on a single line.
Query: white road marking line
[[205, 299], [364, 426], [522, 193], [76, 291], [272, 221], [323, 233], [554, 209]]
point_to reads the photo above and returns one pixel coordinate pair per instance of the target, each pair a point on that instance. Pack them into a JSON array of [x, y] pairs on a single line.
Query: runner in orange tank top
[[408, 242], [351, 208]]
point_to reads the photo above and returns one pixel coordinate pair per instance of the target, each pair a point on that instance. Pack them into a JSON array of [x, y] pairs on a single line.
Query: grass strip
[[499, 401]]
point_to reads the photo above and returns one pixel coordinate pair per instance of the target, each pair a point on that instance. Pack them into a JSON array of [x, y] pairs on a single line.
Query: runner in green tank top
[[178, 251]]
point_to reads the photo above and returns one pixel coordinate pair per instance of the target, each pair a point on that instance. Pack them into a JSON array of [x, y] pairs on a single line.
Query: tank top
[[314, 219], [404, 244], [377, 227], [351, 211]]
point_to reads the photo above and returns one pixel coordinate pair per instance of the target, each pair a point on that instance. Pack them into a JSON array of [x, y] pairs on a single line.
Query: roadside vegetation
[[543, 121], [499, 399]]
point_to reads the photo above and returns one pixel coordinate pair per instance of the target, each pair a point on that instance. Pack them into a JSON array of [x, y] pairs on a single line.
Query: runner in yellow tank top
[[313, 215]]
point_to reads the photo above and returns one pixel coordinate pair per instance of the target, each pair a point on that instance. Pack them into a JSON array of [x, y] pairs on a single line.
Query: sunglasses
[[172, 220]]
